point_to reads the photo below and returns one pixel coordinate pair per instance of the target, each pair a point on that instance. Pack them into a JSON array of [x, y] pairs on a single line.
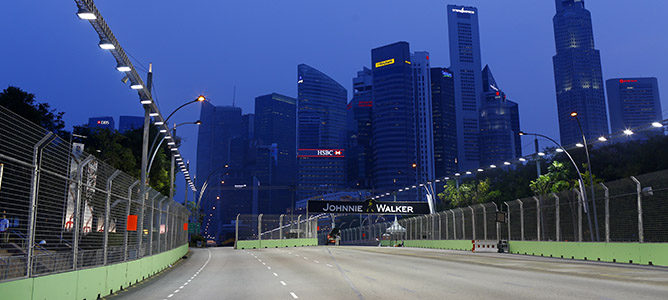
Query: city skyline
[[628, 60]]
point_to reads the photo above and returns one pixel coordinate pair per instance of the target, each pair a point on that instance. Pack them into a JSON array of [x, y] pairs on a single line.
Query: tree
[[471, 192], [25, 105], [554, 181]]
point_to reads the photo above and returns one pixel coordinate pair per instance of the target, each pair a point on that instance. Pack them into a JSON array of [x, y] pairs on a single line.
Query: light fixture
[[85, 14], [198, 122], [146, 101], [201, 98], [559, 150], [602, 139], [457, 174], [123, 68], [413, 187], [541, 153], [492, 166], [468, 172], [522, 159], [106, 45], [657, 124], [158, 123], [175, 149], [177, 155], [437, 180], [628, 131], [167, 137], [579, 145], [480, 170], [135, 86], [507, 163], [153, 114], [521, 133], [446, 178], [574, 114], [163, 130]]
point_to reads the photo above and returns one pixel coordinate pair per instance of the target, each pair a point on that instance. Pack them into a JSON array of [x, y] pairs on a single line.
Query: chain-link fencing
[[62, 209], [276, 227], [627, 210]]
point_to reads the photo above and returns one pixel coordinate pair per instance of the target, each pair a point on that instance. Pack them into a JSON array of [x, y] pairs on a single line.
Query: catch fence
[[67, 210], [632, 209]]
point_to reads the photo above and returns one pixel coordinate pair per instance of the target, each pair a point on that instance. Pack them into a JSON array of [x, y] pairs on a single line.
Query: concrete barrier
[[257, 244], [636, 253], [434, 244], [90, 283]]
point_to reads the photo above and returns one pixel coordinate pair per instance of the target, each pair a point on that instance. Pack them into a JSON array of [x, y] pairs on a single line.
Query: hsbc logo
[[320, 153]]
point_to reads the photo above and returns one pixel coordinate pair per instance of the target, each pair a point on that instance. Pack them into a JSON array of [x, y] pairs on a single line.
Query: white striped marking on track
[[293, 295]]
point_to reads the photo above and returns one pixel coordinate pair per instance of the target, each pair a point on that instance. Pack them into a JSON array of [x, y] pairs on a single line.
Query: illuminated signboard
[[103, 122], [627, 80], [385, 63], [446, 74], [365, 104], [463, 11], [320, 153], [408, 62]]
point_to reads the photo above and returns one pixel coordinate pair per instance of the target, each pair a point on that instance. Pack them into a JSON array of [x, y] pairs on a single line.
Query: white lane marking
[[283, 282], [264, 264], [181, 287], [330, 266], [170, 295], [176, 291], [315, 261], [293, 295], [268, 268], [296, 254], [305, 258], [275, 274]]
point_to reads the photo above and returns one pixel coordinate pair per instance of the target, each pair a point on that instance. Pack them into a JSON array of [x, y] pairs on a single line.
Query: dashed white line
[[268, 268], [275, 274], [170, 295], [305, 258], [315, 261], [283, 282], [330, 265], [293, 295]]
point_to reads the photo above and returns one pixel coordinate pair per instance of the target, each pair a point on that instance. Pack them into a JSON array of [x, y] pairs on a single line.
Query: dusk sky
[[208, 47]]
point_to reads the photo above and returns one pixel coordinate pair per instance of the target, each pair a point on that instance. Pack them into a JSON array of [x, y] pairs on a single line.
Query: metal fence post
[[167, 224], [508, 206], [607, 212], [498, 229], [77, 214], [579, 214], [152, 224], [440, 236], [280, 227], [521, 219], [34, 184], [259, 227], [445, 213], [454, 225], [299, 217], [641, 233], [236, 231], [105, 237], [127, 213], [538, 212], [484, 221], [472, 221], [557, 216]]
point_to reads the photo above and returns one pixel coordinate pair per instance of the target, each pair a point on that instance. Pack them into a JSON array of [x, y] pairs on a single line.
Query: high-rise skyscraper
[[394, 121], [424, 124], [577, 74], [359, 152], [444, 120], [275, 163], [127, 123], [220, 162], [103, 123], [464, 35], [633, 102], [499, 124], [321, 115]]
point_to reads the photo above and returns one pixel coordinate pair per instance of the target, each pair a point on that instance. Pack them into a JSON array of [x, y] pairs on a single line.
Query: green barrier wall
[[637, 253], [257, 244], [434, 244], [89, 283]]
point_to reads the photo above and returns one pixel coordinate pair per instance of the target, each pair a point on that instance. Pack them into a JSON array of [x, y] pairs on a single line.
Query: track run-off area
[[348, 272]]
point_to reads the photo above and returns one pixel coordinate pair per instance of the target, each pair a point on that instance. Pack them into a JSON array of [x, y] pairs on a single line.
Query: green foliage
[[25, 105], [471, 192], [554, 181]]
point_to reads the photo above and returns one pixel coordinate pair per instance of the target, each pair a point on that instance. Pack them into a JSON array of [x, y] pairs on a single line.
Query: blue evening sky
[[209, 47]]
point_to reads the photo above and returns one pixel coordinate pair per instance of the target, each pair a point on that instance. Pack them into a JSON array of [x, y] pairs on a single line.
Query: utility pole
[[144, 160]]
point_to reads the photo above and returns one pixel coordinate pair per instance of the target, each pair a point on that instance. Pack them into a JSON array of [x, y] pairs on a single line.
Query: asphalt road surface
[[394, 273]]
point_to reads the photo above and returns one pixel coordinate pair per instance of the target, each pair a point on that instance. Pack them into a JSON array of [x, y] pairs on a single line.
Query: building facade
[[321, 125], [359, 151], [444, 122], [394, 119], [424, 123], [103, 123], [465, 59], [499, 124], [577, 74], [633, 102], [276, 160]]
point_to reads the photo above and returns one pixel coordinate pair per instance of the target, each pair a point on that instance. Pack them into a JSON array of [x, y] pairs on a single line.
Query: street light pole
[[591, 175], [580, 182]]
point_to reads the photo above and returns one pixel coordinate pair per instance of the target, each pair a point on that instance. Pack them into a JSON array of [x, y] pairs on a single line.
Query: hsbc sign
[[321, 153]]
